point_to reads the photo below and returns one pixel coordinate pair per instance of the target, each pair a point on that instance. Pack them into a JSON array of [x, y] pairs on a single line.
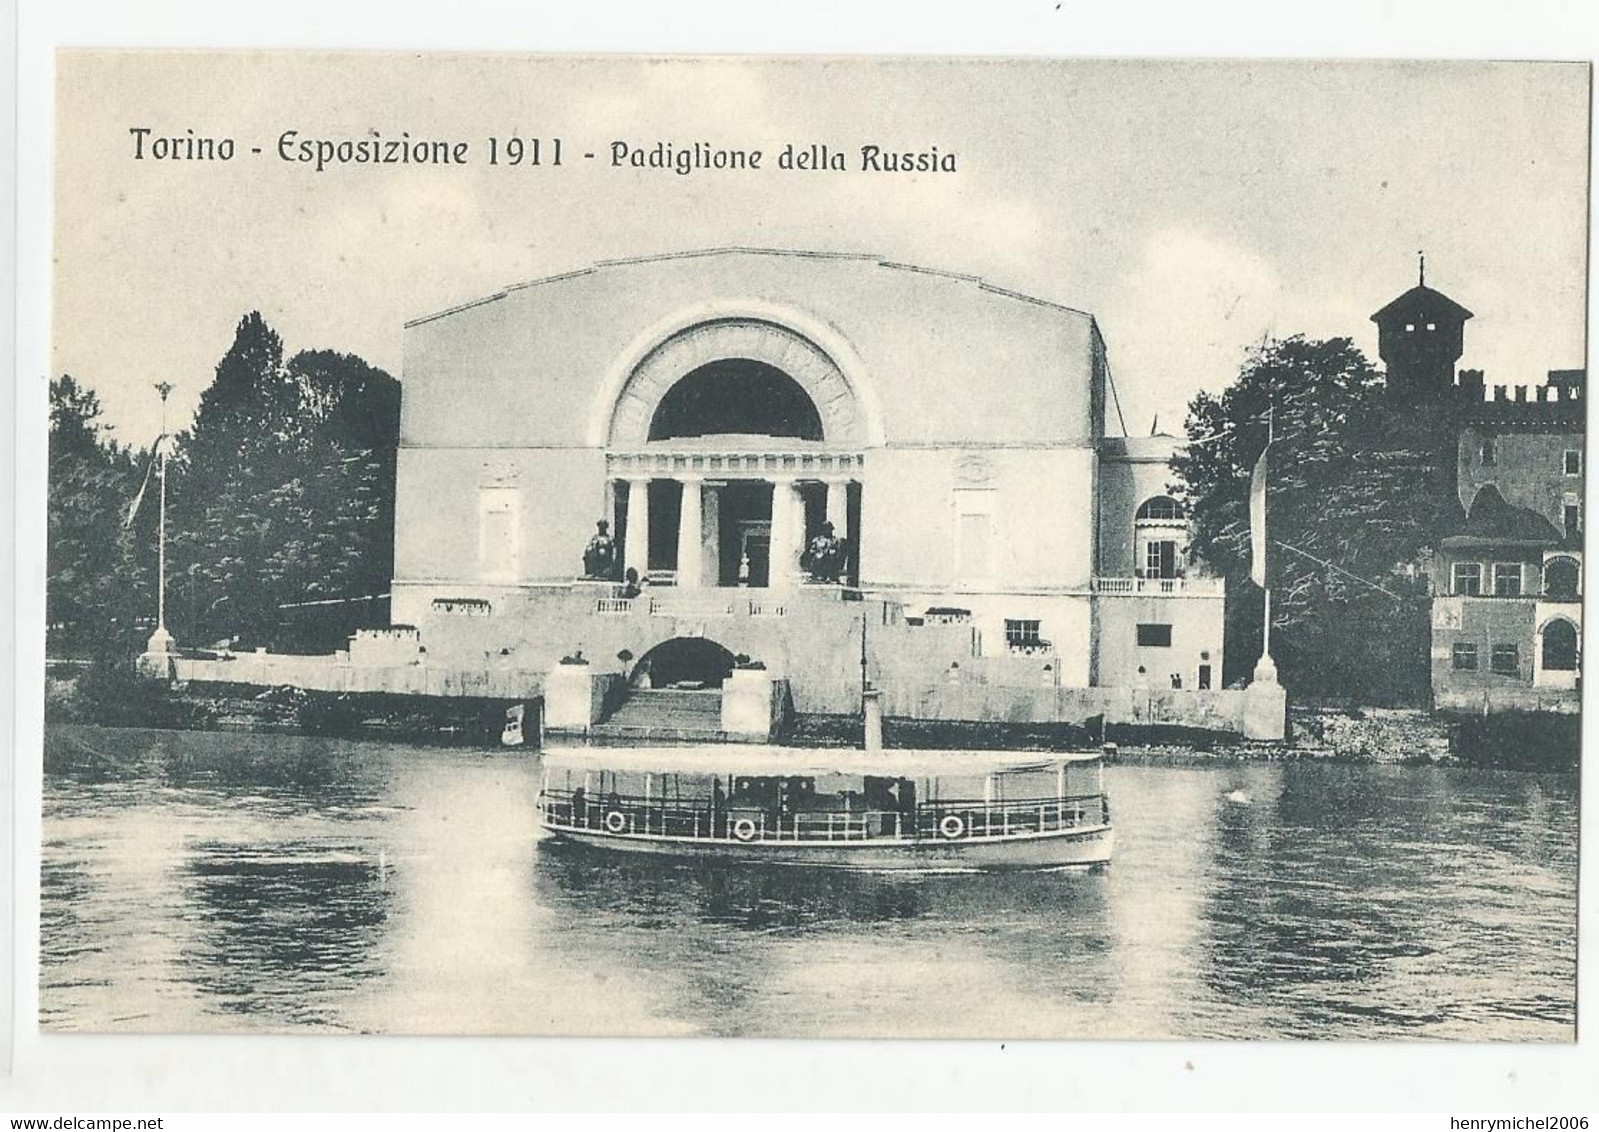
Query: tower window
[[1573, 462], [1572, 514], [1490, 452]]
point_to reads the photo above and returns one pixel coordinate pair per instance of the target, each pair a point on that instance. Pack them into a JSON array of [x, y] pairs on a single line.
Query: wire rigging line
[[1110, 380], [1335, 567]]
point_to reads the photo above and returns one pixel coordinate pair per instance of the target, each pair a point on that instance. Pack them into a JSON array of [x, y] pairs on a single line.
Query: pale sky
[[1191, 208]]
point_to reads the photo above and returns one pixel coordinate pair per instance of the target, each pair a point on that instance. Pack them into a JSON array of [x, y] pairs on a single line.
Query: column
[[636, 543], [711, 524], [690, 572], [784, 564], [838, 506], [838, 515]]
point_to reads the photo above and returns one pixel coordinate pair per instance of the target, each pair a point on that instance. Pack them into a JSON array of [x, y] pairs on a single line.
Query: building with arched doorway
[[718, 410], [1507, 576]]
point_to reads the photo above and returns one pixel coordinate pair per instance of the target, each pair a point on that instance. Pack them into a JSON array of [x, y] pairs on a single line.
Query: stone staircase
[[665, 715]]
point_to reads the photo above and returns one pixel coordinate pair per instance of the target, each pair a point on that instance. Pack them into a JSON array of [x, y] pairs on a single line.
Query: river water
[[199, 882]]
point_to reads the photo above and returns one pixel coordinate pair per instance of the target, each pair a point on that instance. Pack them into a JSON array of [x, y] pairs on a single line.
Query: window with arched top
[[1560, 646], [1560, 578], [1160, 537], [1161, 507]]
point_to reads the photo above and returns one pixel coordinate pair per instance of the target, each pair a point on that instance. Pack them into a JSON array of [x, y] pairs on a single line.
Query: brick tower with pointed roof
[[1420, 336]]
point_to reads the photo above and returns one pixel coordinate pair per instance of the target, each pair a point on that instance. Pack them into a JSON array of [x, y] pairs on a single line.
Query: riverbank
[[1519, 741]]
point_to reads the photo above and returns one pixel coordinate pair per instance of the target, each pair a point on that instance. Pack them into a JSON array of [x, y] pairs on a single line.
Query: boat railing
[[941, 820]]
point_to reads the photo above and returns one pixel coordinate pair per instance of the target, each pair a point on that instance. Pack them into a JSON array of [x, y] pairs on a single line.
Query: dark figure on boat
[[824, 558], [599, 557]]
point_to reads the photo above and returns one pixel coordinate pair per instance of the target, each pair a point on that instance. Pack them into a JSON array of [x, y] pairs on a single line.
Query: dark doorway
[[687, 660], [666, 508], [1560, 646], [736, 396], [745, 526]]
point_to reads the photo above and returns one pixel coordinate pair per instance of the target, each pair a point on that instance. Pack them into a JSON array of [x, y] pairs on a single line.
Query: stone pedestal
[[158, 660], [574, 697], [748, 703], [1265, 711], [872, 713]]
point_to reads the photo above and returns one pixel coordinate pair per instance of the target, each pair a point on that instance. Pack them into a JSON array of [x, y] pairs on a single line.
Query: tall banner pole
[[1266, 668], [164, 389], [159, 651]]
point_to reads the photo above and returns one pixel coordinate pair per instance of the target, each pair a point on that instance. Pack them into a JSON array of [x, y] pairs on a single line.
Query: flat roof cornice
[[700, 253]]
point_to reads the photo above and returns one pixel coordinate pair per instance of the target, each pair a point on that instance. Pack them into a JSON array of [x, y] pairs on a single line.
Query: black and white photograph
[[814, 547]]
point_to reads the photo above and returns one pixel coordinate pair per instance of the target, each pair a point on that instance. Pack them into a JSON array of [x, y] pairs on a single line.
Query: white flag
[[133, 508], [1257, 520]]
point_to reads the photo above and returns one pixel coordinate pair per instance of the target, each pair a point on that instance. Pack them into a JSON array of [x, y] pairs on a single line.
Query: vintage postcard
[[814, 547]]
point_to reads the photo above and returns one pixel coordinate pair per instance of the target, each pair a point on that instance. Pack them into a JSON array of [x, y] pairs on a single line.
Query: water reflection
[[203, 882], [281, 929]]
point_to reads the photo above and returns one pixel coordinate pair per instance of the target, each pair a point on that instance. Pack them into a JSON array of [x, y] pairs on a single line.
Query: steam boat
[[912, 811]]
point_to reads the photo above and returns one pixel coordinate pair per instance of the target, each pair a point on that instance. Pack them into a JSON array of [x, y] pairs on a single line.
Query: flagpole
[[159, 651], [1266, 668], [164, 388]]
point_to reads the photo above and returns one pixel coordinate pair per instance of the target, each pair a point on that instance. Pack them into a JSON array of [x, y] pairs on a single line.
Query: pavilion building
[[1003, 545]]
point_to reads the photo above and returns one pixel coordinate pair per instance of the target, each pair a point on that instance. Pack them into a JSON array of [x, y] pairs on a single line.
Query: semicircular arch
[[805, 349]]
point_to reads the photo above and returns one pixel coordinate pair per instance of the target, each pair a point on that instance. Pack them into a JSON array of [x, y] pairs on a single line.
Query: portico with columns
[[728, 519]]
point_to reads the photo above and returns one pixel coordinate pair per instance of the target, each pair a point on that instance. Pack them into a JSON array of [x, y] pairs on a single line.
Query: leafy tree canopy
[[1357, 493], [285, 490]]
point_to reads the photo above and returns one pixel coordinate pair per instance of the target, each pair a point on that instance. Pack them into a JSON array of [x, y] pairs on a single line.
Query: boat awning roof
[[731, 758]]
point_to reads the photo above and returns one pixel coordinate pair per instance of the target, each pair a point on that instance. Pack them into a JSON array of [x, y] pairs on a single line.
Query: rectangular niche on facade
[[499, 533], [974, 536]]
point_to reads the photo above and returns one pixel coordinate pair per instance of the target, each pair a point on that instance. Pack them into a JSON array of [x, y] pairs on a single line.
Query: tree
[[284, 491], [97, 587], [1356, 497]]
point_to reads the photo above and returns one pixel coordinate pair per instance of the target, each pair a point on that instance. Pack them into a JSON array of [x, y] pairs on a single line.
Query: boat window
[[1027, 784]]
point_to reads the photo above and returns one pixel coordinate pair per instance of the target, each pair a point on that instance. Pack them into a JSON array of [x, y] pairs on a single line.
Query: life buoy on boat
[[744, 829], [616, 821], [952, 828]]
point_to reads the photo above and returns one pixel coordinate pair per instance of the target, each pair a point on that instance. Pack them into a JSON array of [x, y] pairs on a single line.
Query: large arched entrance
[[684, 662], [732, 445]]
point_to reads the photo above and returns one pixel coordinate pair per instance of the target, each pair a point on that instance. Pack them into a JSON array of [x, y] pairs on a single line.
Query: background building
[[1507, 578]]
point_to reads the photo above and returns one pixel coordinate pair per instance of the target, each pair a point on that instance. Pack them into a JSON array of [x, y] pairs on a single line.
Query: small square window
[[1507, 579], [1432, 326], [1154, 636], [1465, 657], [1467, 579], [1410, 328], [1506, 660], [1573, 462]]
